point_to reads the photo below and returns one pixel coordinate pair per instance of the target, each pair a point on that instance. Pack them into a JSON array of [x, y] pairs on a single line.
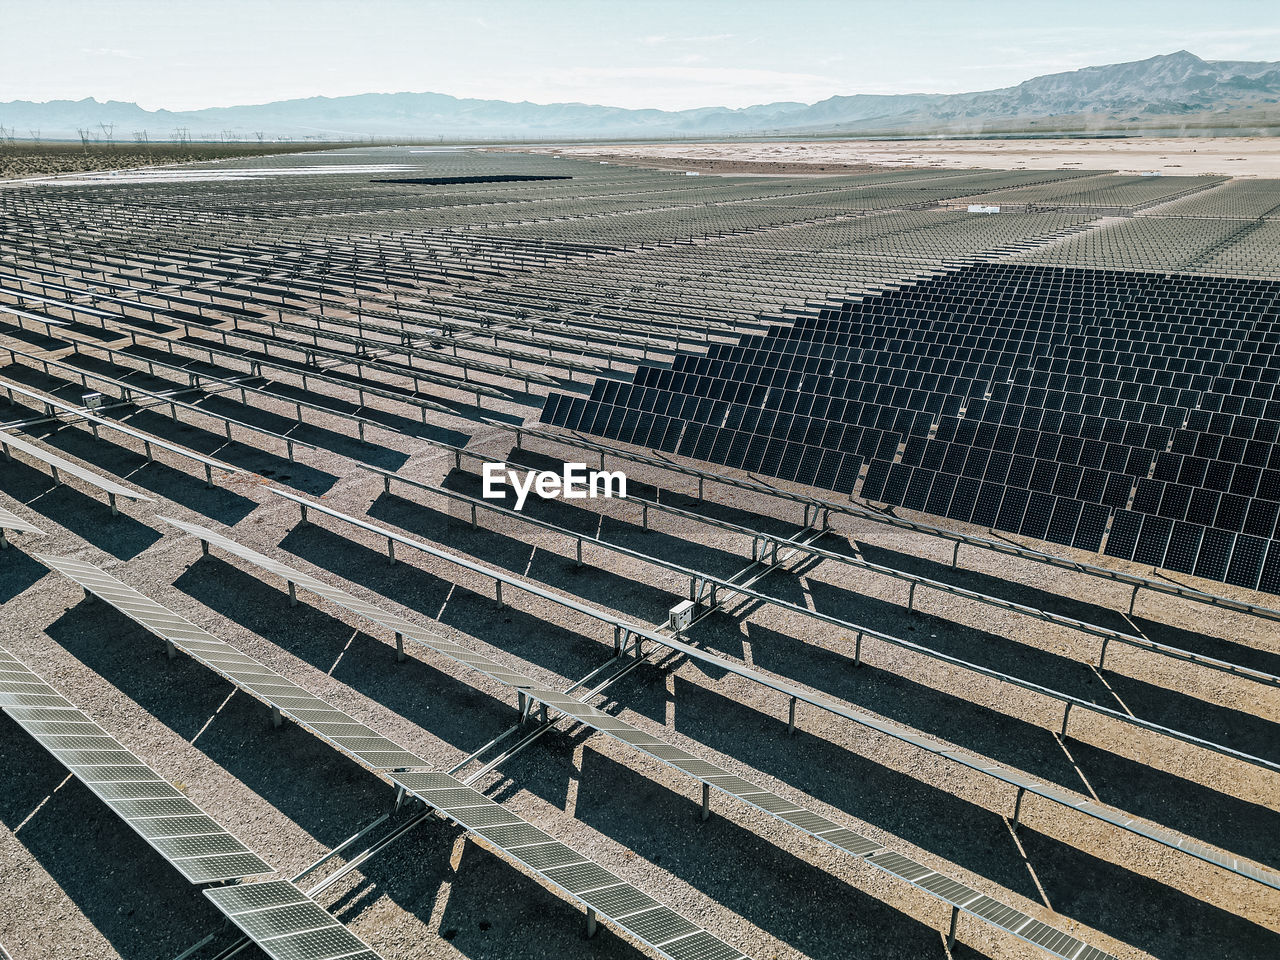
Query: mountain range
[[1177, 92]]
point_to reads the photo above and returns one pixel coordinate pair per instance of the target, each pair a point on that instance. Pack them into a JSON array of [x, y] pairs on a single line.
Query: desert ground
[[1184, 156]]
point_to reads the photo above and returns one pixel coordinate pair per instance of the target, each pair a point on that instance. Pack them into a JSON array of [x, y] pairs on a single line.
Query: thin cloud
[[713, 38]]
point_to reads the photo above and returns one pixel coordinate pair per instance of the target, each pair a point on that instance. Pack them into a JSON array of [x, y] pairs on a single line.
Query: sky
[[184, 55]]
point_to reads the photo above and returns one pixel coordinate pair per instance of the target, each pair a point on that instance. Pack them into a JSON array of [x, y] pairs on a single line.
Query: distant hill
[[1175, 91]]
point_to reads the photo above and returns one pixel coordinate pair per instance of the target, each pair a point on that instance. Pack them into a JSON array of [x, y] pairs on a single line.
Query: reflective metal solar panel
[[62, 465], [303, 707], [655, 925], [181, 832], [535, 849], [286, 924], [12, 522]]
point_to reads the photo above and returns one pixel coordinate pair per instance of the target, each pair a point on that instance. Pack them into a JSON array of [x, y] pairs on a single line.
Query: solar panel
[[1092, 525], [59, 466], [1123, 539], [1214, 554], [1124, 821], [1153, 540], [444, 791], [287, 924], [11, 521], [655, 925], [245, 672], [181, 832]]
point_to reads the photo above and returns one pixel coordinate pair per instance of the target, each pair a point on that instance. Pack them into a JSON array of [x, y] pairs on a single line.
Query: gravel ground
[[77, 883]]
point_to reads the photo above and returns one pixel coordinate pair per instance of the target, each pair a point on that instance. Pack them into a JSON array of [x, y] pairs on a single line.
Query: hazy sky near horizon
[[184, 55]]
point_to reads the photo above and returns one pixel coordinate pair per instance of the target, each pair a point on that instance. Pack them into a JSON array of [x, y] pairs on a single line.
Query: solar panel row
[[766, 801], [660, 927], [1003, 395], [200, 849]]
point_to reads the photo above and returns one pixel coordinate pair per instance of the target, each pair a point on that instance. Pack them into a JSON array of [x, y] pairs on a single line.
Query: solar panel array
[[655, 924], [199, 849], [1129, 413], [837, 300], [842, 838], [287, 924], [670, 934], [321, 718]]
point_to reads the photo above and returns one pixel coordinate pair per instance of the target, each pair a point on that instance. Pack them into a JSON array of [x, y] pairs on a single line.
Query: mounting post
[[399, 647], [276, 719], [1102, 657], [1017, 807], [951, 933], [791, 720], [293, 594], [706, 800], [591, 923], [1066, 715], [857, 650], [497, 585], [391, 551]]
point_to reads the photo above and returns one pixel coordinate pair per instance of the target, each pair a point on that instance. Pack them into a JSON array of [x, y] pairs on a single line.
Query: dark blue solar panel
[[1091, 526], [1270, 579], [944, 485], [1153, 540], [918, 489], [1123, 539], [987, 507], [1062, 524], [873, 485], [1035, 522], [895, 488], [1012, 509], [962, 500], [1215, 552], [1184, 544]]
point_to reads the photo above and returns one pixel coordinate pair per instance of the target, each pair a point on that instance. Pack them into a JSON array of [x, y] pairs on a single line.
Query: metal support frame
[[791, 718], [1017, 808], [706, 800], [951, 932]]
